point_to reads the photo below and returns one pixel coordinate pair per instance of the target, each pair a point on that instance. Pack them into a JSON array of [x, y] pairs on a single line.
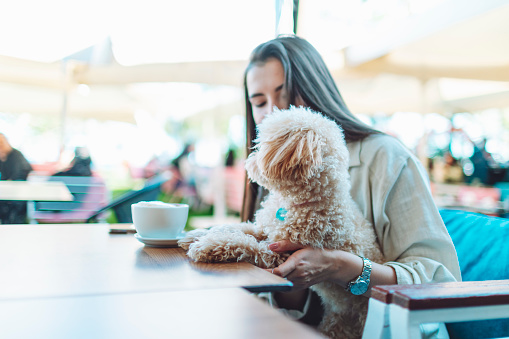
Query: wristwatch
[[360, 285]]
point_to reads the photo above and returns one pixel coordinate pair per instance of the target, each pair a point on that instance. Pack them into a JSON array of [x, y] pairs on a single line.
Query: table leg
[[377, 321], [403, 323], [31, 212]]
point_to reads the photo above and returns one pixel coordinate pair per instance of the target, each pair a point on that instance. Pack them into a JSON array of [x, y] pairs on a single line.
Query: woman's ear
[[296, 155]]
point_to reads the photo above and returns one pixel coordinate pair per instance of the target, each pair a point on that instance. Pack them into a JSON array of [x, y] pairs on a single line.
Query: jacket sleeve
[[412, 234]]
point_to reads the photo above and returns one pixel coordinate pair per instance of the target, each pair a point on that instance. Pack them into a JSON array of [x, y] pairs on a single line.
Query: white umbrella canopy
[[401, 58], [456, 39], [161, 41], [52, 75], [390, 93], [100, 102], [33, 73], [227, 72], [389, 72], [104, 92], [39, 88]]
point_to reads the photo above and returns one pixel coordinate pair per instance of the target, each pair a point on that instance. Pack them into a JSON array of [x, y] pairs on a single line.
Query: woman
[[388, 183]]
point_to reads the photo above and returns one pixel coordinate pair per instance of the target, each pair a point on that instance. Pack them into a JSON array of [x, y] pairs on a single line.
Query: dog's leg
[[245, 227], [234, 245], [253, 229], [191, 237]]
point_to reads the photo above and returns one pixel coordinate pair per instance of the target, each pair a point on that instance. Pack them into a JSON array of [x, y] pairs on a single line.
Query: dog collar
[[281, 214]]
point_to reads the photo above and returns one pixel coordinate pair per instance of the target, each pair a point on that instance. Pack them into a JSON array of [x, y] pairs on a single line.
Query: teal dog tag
[[281, 214]]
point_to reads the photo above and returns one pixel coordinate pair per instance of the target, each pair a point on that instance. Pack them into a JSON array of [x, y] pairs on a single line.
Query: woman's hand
[[306, 266]]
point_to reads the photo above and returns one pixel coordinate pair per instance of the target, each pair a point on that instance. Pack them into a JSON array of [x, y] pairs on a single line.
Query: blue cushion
[[483, 254], [481, 244]]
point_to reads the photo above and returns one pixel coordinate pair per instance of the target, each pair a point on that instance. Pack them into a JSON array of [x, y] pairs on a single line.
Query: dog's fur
[[302, 159]]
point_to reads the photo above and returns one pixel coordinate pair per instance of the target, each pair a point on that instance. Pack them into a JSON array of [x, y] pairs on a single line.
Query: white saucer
[[156, 242]]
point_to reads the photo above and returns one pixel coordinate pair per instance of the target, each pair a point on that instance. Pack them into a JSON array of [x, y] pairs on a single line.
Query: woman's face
[[266, 88]]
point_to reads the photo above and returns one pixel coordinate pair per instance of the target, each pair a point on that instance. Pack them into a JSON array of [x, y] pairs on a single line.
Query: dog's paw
[[221, 246], [191, 237], [206, 251]]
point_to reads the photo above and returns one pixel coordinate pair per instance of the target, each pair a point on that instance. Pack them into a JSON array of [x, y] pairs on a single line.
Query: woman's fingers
[[291, 271], [302, 268], [305, 267], [286, 268], [284, 246]]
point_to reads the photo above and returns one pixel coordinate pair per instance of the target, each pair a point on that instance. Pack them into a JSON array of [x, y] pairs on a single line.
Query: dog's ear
[[294, 155], [251, 166]]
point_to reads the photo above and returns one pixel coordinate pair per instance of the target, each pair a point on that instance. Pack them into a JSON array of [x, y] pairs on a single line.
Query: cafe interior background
[[135, 82]]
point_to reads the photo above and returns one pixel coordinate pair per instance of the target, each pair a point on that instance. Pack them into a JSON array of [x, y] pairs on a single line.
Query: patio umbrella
[[456, 39]]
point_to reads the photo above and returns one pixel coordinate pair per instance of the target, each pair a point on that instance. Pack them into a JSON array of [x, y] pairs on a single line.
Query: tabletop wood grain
[[215, 313], [84, 259]]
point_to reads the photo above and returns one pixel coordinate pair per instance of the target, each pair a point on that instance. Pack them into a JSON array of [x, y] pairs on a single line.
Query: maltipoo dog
[[301, 158]]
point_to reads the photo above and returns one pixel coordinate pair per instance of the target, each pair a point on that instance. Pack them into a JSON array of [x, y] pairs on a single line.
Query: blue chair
[[90, 195], [483, 254], [121, 206]]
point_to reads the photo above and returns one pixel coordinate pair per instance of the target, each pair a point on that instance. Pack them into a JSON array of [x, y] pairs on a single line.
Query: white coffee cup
[[156, 219]]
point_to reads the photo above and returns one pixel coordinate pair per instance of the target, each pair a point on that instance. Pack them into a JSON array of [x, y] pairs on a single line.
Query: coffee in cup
[[156, 219]]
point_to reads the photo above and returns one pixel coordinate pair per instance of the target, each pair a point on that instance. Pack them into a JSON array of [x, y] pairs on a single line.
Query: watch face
[[359, 287]]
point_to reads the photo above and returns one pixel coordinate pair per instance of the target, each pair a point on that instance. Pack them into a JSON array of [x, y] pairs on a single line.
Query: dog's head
[[292, 146]]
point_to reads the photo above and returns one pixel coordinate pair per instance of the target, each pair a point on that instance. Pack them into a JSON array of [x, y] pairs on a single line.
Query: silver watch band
[[360, 284]]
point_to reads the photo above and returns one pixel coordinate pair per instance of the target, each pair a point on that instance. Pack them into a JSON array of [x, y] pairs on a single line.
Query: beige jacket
[[392, 190]]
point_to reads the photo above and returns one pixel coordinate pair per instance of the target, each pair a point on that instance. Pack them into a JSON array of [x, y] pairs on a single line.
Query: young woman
[[388, 183]]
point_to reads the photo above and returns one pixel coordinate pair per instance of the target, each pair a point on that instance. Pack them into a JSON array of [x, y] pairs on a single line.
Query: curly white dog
[[302, 159]]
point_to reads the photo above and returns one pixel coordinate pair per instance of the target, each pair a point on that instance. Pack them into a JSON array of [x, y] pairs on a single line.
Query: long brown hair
[[307, 76]]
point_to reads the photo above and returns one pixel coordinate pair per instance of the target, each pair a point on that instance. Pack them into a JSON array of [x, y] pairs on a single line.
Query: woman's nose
[[273, 102]]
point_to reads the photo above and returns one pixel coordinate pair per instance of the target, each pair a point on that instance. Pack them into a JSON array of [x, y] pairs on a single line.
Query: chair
[[121, 206], [90, 194], [478, 307]]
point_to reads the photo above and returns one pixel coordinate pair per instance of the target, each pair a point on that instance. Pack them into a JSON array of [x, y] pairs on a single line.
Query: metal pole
[[295, 15], [65, 106]]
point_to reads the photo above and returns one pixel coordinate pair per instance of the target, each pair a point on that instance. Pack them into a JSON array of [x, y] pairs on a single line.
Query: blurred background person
[[13, 166], [182, 185], [182, 169], [230, 158], [80, 165]]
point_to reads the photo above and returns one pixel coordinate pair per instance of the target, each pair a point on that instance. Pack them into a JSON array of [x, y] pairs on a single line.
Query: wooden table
[[38, 261], [79, 281], [401, 309], [34, 191], [196, 314]]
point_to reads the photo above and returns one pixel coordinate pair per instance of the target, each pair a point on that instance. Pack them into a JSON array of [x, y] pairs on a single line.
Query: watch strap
[[364, 276]]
